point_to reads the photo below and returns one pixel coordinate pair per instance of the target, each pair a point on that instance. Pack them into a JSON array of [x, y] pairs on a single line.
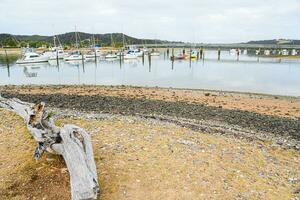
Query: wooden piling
[[57, 61], [190, 58], [219, 54], [6, 58], [82, 59], [7, 63], [120, 59], [149, 61], [201, 53], [173, 53]]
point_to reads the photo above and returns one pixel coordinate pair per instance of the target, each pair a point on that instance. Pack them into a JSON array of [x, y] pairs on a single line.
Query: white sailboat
[[111, 55], [94, 52], [56, 52], [155, 52], [76, 55]]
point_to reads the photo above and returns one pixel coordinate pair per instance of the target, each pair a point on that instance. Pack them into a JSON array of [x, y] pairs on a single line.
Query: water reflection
[[248, 74]]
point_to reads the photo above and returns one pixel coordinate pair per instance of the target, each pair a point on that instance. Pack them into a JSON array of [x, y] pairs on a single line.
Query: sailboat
[[111, 55], [93, 52], [154, 52], [121, 51], [56, 52], [75, 55]]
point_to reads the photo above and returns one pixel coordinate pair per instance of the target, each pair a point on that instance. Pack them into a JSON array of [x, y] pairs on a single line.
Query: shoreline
[[150, 87], [269, 117]]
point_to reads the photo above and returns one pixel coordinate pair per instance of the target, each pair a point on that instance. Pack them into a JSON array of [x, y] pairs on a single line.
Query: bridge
[[222, 46]]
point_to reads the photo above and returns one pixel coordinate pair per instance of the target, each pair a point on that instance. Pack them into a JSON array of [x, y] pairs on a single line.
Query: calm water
[[266, 76]]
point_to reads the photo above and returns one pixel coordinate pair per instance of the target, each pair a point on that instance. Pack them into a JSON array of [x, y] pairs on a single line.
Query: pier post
[[95, 56], [6, 58], [198, 52], [238, 54], [149, 61], [201, 53], [203, 56], [7, 63], [143, 58], [173, 53], [57, 61], [190, 58], [219, 54], [82, 59], [120, 59], [168, 52]]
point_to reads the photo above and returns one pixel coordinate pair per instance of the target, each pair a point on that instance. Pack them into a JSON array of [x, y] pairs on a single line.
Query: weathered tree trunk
[[70, 141]]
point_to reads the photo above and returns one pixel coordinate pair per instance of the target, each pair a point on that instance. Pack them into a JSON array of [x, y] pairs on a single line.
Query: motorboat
[[138, 53], [193, 54], [267, 52], [111, 56], [131, 55], [74, 56], [32, 57], [285, 52], [179, 56], [93, 54], [294, 52]]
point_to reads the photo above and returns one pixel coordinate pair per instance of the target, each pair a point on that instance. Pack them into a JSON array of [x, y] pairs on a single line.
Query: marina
[[212, 70]]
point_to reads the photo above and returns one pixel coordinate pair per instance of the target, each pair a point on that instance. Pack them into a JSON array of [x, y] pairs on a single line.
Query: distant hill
[[278, 42], [85, 39]]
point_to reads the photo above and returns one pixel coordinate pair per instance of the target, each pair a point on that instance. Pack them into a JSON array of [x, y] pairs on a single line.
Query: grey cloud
[[189, 20]]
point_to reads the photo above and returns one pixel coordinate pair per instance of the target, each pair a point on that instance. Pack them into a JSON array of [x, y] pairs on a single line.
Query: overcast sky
[[184, 20]]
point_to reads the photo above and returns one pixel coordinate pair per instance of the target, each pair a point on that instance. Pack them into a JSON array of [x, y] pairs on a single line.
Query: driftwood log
[[70, 141]]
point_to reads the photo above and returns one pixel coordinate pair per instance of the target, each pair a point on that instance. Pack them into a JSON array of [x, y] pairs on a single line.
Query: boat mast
[[76, 38], [111, 40], [94, 41], [54, 43], [123, 40]]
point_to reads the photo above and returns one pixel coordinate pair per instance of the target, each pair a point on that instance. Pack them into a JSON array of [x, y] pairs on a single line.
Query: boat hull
[[31, 61]]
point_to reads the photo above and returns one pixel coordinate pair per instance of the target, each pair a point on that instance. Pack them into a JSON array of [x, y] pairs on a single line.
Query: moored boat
[[111, 56], [130, 55], [32, 57], [74, 56]]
